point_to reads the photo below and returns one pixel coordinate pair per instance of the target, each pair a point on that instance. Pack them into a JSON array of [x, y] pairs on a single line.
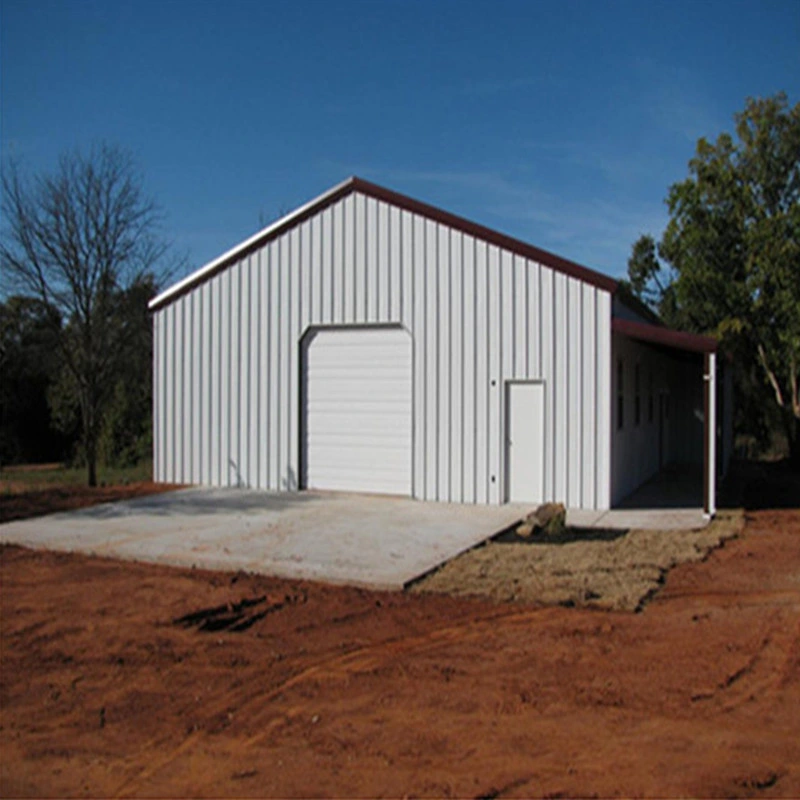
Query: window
[[637, 397], [650, 397], [620, 396]]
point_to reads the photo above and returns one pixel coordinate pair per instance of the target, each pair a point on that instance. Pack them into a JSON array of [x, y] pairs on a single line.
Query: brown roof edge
[[657, 334], [487, 234], [355, 184]]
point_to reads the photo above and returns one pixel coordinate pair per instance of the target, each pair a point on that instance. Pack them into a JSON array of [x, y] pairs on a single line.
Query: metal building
[[369, 342]]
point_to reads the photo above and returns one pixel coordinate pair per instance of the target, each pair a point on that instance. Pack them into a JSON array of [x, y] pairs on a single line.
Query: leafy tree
[[652, 282], [127, 433], [28, 366], [125, 436], [728, 262], [75, 239]]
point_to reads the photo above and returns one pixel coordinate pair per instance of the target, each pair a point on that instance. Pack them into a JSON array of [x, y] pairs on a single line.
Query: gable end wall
[[227, 355]]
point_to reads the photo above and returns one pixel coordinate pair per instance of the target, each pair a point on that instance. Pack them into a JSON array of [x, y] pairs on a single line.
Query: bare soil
[[122, 679], [611, 569]]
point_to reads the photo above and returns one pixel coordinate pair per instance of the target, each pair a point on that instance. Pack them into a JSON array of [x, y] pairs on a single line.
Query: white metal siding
[[478, 315], [358, 410]]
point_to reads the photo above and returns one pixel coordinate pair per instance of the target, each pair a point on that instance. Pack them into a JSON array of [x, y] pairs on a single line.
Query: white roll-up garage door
[[358, 410]]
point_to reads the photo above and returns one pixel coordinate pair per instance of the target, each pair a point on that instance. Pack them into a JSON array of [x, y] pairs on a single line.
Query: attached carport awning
[[693, 343], [667, 337]]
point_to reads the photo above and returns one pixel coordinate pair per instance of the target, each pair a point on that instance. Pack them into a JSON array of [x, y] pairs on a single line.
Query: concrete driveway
[[378, 542]]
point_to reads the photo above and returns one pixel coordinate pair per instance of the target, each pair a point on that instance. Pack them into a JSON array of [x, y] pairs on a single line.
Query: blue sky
[[560, 123]]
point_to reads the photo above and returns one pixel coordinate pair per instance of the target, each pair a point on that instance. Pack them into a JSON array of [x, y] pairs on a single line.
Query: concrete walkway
[[672, 500], [652, 519], [377, 542]]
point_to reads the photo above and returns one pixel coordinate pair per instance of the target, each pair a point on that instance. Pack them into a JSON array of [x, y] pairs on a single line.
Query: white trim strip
[[712, 433]]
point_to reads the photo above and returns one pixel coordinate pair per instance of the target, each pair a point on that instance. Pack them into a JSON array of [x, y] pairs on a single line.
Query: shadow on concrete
[[678, 486], [570, 534], [202, 502], [753, 485]]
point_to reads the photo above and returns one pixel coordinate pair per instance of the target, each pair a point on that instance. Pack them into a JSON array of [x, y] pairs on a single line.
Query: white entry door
[[358, 410], [525, 443]]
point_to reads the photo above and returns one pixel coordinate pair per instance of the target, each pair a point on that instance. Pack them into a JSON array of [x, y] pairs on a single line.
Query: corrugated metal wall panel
[[481, 379], [292, 468], [575, 395], [560, 380], [533, 316], [169, 392], [469, 370], [588, 406], [493, 328], [215, 389], [242, 406], [444, 377], [456, 330], [603, 399], [224, 411], [227, 357], [254, 340], [204, 391], [547, 311], [158, 398]]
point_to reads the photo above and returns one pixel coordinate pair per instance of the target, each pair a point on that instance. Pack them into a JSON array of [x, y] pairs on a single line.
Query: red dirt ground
[[336, 691]]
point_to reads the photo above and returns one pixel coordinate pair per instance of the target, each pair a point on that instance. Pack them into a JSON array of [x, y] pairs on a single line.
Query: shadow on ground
[[163, 500], [567, 536], [675, 486], [759, 485], [203, 502]]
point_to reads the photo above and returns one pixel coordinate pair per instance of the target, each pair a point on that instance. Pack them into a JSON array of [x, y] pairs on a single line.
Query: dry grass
[[603, 569]]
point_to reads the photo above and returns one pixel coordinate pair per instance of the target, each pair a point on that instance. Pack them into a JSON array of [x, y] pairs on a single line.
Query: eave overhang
[[665, 337]]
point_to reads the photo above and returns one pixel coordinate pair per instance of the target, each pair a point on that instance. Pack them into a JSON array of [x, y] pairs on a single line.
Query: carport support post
[[710, 428]]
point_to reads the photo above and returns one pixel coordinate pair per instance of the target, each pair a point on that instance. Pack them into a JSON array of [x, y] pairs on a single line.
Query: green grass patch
[[37, 476]]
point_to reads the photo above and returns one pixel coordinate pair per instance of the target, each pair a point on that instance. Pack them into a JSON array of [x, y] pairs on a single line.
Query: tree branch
[[771, 376]]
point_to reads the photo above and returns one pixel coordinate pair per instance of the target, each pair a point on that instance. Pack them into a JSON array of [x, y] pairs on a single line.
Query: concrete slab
[[672, 500], [654, 519], [377, 542]]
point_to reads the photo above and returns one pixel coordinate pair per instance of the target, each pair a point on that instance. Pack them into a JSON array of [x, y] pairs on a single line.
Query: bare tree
[[74, 239]]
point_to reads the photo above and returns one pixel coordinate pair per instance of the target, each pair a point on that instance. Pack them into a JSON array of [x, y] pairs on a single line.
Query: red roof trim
[[656, 334], [394, 198]]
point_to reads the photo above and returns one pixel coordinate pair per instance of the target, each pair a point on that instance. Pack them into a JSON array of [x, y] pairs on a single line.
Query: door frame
[[506, 439]]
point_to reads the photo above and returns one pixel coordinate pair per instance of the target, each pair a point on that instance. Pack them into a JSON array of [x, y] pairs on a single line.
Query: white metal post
[[711, 432]]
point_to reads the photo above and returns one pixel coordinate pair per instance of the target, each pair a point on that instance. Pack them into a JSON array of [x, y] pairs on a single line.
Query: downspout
[[709, 435]]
